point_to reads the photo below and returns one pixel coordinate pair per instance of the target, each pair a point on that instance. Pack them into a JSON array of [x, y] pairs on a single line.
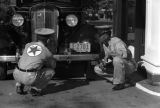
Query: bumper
[[76, 57]]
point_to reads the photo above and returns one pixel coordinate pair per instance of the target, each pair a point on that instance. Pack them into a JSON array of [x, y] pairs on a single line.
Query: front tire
[[3, 71], [90, 74]]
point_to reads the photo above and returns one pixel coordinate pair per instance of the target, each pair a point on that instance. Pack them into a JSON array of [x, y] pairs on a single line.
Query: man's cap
[[43, 34]]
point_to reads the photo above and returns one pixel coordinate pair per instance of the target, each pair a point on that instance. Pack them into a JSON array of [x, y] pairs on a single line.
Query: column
[[151, 57]]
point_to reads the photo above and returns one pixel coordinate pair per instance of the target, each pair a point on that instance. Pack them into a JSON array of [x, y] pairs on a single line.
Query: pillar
[[151, 57]]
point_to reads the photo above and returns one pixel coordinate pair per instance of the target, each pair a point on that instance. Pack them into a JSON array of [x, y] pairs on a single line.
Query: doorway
[[129, 24]]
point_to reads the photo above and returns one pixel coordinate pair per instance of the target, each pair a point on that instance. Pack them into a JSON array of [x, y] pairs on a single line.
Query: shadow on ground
[[71, 83], [64, 85], [140, 74], [68, 84]]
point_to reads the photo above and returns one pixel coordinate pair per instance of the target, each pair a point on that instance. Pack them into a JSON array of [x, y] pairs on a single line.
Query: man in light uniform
[[123, 62], [35, 68]]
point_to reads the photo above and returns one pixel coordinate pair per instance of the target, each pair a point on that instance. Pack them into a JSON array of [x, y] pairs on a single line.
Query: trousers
[[38, 80], [123, 68]]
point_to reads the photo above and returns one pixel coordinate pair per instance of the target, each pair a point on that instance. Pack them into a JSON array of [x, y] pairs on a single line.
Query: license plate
[[80, 47]]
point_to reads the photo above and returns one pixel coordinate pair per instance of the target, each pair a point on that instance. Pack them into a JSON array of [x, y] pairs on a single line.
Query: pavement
[[147, 87], [81, 93], [141, 82], [145, 84], [77, 93]]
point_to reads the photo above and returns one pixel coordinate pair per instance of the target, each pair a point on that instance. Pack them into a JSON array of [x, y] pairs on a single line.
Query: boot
[[20, 89], [35, 92], [118, 87], [130, 82]]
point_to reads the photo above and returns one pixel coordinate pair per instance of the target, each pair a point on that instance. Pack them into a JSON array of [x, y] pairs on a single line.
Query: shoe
[[35, 92], [130, 83], [118, 87], [20, 89]]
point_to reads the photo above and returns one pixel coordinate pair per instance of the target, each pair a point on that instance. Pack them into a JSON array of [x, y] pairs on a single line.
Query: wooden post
[[139, 29], [120, 19], [117, 14]]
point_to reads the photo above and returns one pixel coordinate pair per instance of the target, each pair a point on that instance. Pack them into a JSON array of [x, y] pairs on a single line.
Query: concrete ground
[[78, 93], [148, 87]]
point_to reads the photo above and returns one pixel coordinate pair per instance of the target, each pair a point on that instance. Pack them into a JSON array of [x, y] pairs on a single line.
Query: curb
[[139, 86]]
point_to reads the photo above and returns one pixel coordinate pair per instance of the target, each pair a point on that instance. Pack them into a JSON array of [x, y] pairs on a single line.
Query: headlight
[[17, 20], [71, 20]]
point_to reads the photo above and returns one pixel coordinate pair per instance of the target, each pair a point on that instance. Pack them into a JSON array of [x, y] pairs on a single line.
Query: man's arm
[[50, 62], [121, 50]]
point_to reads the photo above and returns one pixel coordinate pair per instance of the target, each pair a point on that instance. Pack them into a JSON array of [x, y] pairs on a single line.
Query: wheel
[[3, 71], [90, 74]]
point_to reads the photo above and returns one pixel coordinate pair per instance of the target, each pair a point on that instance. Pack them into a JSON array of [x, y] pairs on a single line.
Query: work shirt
[[35, 56], [124, 64], [116, 47]]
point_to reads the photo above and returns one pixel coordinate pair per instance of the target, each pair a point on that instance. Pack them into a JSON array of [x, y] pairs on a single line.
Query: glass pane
[[45, 22]]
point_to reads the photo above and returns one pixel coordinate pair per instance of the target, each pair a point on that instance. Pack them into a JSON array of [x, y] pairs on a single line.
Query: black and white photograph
[[79, 54]]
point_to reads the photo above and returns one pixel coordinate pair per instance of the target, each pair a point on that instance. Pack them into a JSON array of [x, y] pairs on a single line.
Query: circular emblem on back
[[34, 50]]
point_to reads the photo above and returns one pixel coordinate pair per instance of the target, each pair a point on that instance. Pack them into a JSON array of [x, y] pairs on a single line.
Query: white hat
[[44, 31]]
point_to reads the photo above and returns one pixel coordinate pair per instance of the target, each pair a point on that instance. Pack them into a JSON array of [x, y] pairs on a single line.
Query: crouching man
[[122, 60], [35, 67]]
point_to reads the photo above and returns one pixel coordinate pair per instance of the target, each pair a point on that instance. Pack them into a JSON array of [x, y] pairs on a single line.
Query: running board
[[76, 57]]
